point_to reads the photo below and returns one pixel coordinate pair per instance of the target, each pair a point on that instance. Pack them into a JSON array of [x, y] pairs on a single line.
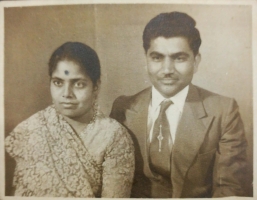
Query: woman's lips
[[68, 104]]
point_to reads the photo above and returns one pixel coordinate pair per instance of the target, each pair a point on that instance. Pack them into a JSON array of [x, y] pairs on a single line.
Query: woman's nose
[[67, 91]]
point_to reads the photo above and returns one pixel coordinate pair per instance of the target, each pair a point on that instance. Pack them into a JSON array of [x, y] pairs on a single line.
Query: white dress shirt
[[173, 112]]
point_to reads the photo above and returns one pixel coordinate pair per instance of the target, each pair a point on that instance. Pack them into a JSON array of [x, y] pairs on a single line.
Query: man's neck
[[178, 99]]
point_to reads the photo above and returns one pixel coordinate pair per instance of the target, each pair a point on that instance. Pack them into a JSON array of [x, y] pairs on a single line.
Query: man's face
[[171, 64]]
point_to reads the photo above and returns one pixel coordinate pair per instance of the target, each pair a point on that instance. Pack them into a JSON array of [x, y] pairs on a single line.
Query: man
[[189, 142]]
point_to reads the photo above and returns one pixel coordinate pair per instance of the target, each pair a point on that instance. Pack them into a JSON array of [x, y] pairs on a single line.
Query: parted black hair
[[81, 54], [173, 24]]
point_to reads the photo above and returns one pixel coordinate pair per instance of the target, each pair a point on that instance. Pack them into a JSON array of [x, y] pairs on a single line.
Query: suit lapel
[[189, 137], [137, 121]]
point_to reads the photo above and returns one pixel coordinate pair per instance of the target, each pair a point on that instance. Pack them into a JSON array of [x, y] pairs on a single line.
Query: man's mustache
[[170, 75]]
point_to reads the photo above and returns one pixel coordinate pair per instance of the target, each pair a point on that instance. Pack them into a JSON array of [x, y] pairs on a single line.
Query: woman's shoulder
[[114, 129], [108, 129], [105, 134], [21, 135], [110, 125], [35, 121], [110, 122]]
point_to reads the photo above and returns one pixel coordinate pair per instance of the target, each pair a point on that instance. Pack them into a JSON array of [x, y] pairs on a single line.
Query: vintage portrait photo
[[124, 99]]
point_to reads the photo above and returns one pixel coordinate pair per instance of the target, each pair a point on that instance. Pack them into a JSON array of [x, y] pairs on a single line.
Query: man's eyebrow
[[156, 53], [175, 55]]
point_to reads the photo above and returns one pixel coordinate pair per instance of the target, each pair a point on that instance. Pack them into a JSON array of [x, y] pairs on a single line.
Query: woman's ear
[[97, 87]]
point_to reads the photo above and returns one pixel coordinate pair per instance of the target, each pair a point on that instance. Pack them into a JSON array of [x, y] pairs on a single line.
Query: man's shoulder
[[123, 103], [207, 95], [128, 100], [214, 101]]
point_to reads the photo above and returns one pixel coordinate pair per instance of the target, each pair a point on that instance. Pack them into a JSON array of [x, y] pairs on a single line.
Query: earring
[[96, 107], [95, 110]]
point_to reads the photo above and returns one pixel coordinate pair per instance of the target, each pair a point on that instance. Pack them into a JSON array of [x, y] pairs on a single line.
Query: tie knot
[[164, 105]]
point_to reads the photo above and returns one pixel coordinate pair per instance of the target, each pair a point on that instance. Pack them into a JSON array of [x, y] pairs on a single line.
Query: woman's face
[[72, 91]]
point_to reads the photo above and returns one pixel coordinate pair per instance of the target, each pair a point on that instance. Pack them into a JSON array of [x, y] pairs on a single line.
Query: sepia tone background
[[115, 32]]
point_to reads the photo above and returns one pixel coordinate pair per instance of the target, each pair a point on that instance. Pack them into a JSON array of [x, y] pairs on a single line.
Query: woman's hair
[[79, 53]]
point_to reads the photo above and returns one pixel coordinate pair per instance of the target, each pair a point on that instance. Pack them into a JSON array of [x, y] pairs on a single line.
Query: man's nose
[[67, 91], [168, 66]]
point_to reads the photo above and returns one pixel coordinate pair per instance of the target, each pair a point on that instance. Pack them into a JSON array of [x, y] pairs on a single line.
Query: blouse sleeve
[[16, 147], [15, 142], [119, 165]]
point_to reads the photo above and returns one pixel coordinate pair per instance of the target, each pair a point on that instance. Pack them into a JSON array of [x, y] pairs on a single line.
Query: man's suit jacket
[[209, 152]]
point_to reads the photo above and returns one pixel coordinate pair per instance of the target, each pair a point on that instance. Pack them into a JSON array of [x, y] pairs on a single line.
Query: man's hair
[[81, 54], [174, 24]]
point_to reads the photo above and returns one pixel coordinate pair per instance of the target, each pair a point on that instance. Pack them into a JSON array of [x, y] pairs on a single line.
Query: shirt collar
[[178, 99]]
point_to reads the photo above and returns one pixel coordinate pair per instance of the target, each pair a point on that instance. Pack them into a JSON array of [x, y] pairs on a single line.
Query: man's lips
[[168, 80]]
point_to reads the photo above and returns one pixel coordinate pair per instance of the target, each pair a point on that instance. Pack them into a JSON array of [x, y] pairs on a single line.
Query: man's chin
[[168, 91]]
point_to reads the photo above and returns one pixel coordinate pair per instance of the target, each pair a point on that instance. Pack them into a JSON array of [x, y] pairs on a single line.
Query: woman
[[70, 149]]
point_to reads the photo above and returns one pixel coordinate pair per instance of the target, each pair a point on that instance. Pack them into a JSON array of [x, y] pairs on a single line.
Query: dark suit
[[209, 153]]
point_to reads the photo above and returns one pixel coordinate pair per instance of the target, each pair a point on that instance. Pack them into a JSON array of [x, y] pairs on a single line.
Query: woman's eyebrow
[[56, 78], [78, 79], [71, 79]]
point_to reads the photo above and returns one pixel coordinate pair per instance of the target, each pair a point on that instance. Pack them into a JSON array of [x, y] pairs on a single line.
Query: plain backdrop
[[31, 34]]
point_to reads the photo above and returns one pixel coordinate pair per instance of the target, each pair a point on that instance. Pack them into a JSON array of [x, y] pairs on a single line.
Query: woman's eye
[[57, 83], [80, 84]]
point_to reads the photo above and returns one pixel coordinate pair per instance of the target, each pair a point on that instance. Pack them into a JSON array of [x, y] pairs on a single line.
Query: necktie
[[160, 148]]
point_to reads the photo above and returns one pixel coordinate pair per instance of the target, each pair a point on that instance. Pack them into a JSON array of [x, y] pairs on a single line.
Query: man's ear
[[197, 61], [146, 67]]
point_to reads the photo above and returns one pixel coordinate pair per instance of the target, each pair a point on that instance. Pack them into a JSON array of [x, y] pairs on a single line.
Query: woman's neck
[[79, 123]]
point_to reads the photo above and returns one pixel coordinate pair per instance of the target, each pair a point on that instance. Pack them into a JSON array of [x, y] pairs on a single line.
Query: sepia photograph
[[127, 99]]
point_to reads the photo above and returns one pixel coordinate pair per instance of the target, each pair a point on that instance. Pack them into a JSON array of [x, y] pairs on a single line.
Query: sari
[[53, 160]]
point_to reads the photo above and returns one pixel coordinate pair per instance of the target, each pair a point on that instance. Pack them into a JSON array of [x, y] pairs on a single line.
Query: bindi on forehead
[[66, 72]]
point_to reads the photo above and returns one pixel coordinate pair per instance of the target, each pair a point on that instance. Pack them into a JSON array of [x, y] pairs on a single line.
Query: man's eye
[[181, 58], [57, 83], [80, 84], [156, 58]]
